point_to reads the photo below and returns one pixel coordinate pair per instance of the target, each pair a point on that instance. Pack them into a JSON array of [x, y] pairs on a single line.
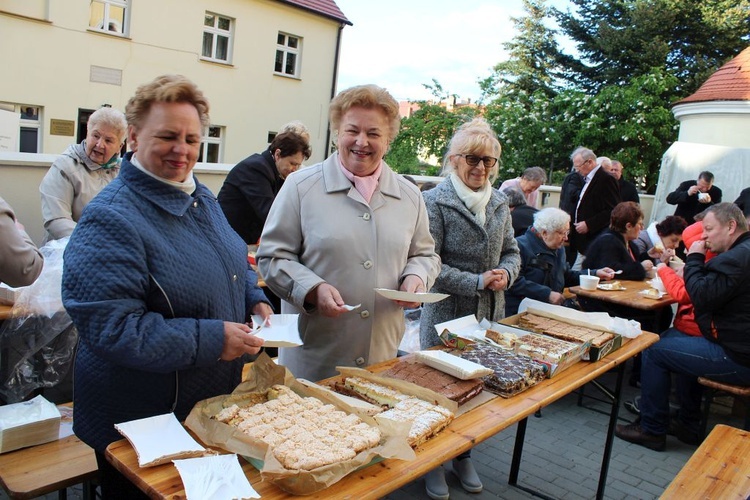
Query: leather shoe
[[435, 485], [634, 434], [683, 433], [467, 474]]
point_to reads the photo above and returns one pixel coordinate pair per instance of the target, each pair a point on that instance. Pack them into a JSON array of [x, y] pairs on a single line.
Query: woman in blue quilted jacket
[[156, 281]]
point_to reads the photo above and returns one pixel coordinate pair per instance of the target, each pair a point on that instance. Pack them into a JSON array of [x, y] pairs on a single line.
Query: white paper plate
[[219, 476], [424, 297], [159, 439], [282, 332], [645, 293], [452, 365]]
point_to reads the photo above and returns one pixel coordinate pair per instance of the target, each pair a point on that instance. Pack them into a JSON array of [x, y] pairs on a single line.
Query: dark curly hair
[[672, 224], [624, 213]]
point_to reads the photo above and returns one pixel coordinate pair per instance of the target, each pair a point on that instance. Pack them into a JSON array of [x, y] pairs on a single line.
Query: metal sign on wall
[[62, 127]]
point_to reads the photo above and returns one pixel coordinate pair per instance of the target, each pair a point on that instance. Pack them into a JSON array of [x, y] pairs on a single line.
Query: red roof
[[326, 8], [730, 83]]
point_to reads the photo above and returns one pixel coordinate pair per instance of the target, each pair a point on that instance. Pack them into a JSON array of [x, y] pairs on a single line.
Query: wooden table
[[5, 311], [628, 297], [461, 435], [719, 468], [45, 468]]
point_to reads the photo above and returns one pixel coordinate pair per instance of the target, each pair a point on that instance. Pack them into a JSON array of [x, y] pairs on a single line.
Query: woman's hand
[[239, 341], [263, 310], [495, 279], [556, 298], [327, 299], [412, 284], [606, 273], [647, 265]]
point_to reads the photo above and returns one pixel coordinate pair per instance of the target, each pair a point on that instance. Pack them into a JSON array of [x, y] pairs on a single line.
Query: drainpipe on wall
[[333, 85]]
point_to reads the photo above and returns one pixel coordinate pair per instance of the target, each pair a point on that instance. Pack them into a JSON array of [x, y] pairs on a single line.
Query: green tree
[[425, 134], [533, 64], [621, 39]]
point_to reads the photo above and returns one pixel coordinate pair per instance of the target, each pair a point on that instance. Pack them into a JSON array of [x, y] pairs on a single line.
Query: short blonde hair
[[109, 117], [166, 88], [473, 137], [368, 97]]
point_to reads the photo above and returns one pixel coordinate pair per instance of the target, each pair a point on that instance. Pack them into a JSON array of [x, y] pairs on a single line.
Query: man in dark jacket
[[720, 292], [544, 271], [693, 197], [599, 195], [521, 214], [743, 201], [569, 193]]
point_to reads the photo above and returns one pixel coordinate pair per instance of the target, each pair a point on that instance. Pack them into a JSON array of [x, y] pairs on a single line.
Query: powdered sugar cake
[[303, 433]]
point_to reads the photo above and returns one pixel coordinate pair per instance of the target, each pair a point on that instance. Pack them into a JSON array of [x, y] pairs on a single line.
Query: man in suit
[[628, 192], [693, 197], [599, 195]]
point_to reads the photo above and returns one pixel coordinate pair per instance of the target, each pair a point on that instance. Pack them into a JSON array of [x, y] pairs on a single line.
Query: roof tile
[[731, 82], [326, 8]]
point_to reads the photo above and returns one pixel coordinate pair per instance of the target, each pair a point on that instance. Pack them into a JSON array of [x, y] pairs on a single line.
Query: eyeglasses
[[473, 160], [563, 233], [582, 164]]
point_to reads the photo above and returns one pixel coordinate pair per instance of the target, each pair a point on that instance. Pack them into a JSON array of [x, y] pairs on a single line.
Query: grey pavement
[[562, 456]]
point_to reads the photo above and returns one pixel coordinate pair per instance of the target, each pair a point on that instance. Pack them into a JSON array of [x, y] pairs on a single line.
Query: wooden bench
[[718, 469], [712, 388]]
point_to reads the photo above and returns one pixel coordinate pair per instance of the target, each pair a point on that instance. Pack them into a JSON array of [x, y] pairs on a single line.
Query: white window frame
[[25, 123], [105, 23], [285, 51], [215, 33], [206, 140]]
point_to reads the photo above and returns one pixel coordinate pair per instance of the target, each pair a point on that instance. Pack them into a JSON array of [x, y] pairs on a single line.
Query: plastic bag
[[410, 342], [37, 343]]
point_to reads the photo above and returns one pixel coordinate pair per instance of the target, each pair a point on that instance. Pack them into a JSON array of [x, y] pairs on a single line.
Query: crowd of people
[[157, 280]]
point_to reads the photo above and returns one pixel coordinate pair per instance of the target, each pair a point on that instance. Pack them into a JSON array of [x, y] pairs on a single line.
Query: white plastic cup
[[589, 282]]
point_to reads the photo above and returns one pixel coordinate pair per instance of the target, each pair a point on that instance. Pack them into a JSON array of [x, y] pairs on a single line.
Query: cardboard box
[[452, 332], [591, 354], [28, 423]]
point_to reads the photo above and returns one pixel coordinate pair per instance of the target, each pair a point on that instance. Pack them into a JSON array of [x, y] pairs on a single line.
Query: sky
[[403, 44]]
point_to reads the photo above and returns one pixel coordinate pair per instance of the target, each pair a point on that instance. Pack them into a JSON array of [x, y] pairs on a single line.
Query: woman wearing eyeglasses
[[471, 224]]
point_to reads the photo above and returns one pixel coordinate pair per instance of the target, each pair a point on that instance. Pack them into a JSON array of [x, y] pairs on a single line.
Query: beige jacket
[[20, 260], [320, 229], [70, 184]]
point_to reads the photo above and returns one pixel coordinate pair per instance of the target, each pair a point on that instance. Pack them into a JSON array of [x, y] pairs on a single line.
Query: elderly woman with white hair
[[81, 172], [471, 224], [544, 270]]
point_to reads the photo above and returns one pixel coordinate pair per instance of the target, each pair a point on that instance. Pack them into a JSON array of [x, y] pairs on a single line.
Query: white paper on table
[[469, 328], [159, 439], [27, 412], [466, 327], [217, 477], [282, 332], [600, 320], [423, 297]]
